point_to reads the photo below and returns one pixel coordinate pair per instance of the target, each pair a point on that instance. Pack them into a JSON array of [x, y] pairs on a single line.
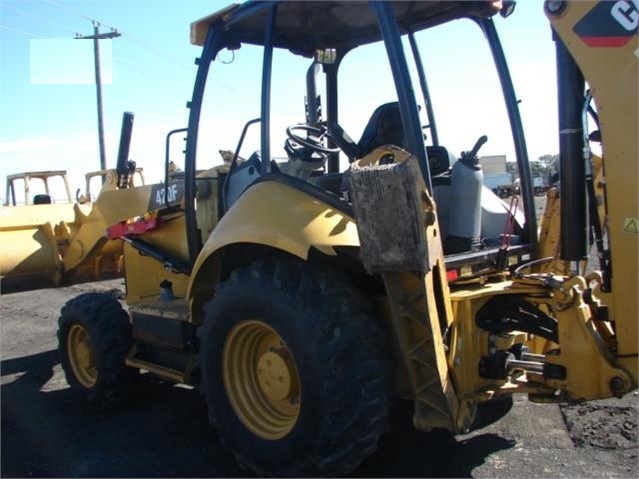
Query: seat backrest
[[42, 200], [385, 127]]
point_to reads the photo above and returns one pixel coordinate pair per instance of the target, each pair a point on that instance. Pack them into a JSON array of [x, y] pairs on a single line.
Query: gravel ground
[[606, 425], [47, 433]]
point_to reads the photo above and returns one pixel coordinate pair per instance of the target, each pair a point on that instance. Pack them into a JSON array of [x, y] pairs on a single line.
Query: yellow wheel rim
[[261, 380], [82, 356]]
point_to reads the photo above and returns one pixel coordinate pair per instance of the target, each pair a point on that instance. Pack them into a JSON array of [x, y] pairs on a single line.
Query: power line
[[36, 18], [159, 71], [74, 12], [159, 53], [128, 35], [140, 71], [153, 49], [20, 32], [126, 63]]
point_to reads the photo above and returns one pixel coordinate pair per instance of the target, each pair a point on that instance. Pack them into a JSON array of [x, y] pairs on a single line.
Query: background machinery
[[47, 240], [303, 298]]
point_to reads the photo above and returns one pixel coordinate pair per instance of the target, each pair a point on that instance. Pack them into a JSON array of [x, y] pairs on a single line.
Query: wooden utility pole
[[98, 82]]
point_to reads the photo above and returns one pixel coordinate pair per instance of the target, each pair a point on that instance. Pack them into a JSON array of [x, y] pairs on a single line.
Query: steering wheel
[[314, 139]]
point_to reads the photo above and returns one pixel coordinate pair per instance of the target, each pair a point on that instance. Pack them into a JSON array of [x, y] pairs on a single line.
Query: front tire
[[94, 337], [294, 370]]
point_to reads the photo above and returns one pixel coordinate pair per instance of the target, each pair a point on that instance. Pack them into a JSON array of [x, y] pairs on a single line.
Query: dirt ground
[[45, 431]]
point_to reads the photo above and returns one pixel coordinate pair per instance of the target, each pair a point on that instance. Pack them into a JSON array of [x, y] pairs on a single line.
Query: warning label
[[631, 225]]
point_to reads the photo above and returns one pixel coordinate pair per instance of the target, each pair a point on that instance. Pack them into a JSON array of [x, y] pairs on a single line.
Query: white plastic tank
[[467, 178]]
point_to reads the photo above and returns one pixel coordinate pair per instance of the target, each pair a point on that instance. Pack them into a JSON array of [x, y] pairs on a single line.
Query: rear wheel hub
[[261, 379]]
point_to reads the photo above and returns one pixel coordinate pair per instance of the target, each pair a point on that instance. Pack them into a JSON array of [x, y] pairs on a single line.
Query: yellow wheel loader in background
[[303, 298], [48, 240]]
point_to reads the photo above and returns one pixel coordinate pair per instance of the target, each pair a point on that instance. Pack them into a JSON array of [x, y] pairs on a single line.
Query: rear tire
[[294, 370], [94, 337]]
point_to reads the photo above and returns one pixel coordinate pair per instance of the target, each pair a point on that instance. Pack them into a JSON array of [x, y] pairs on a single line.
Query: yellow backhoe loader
[[48, 240], [304, 293]]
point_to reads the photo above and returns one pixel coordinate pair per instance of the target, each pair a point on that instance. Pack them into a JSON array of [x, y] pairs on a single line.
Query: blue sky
[[54, 126]]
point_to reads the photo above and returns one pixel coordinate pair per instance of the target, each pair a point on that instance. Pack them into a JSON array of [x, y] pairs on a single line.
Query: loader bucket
[[30, 240], [34, 239]]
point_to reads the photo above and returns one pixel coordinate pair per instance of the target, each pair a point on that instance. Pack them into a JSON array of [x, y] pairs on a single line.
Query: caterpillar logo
[[609, 24]]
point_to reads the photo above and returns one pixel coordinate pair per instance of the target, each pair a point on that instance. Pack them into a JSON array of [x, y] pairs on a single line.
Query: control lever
[[469, 157]]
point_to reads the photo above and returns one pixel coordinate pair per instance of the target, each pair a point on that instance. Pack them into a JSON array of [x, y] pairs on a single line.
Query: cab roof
[[306, 26]]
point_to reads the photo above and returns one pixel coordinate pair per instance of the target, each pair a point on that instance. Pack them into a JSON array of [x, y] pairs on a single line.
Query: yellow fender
[[276, 215]]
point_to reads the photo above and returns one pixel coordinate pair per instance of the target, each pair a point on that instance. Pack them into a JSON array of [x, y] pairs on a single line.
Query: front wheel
[[294, 370], [94, 337]]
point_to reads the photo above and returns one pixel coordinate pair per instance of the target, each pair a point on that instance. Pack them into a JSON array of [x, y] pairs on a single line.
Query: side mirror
[[508, 7]]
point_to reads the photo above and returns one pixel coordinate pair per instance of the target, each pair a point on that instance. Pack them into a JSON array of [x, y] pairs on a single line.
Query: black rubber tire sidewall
[[109, 329], [236, 312], [309, 342]]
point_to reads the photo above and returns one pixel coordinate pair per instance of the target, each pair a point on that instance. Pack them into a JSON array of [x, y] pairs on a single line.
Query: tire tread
[[108, 326], [345, 337]]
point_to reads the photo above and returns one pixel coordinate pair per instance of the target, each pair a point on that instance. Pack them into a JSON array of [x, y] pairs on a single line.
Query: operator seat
[[42, 200], [384, 127]]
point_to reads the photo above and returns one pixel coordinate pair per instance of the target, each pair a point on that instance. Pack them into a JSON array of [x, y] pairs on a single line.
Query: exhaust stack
[[124, 167]]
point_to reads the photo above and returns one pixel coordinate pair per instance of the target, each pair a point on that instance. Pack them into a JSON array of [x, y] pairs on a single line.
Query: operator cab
[[306, 90]]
